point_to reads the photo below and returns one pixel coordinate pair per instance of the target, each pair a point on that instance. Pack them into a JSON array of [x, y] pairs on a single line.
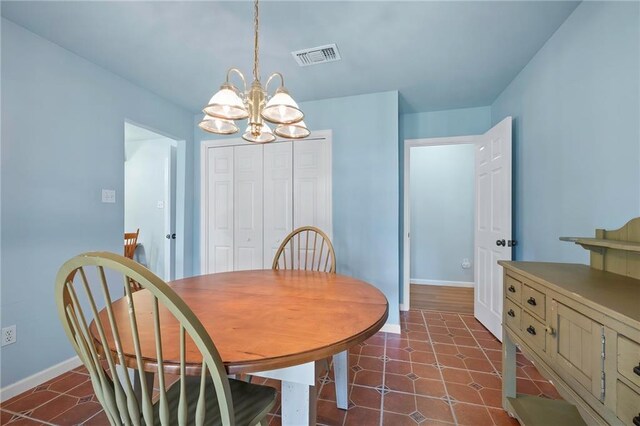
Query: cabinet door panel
[[218, 220], [577, 347], [278, 197], [248, 185]]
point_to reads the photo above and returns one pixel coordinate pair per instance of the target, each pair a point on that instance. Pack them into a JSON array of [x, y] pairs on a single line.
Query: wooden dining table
[[269, 323]]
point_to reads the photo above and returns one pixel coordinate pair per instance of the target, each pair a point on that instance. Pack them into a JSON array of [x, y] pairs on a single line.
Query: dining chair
[[207, 398], [307, 248], [130, 243]]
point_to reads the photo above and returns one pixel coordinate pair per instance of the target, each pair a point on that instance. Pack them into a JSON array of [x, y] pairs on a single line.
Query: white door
[[312, 184], [278, 197], [248, 189], [218, 211], [493, 222]]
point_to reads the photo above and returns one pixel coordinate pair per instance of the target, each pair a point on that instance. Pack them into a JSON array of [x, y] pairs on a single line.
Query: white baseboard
[[391, 328], [404, 307], [39, 378], [443, 283]]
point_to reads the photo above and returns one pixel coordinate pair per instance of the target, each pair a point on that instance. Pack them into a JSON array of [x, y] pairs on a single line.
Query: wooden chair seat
[[251, 402]]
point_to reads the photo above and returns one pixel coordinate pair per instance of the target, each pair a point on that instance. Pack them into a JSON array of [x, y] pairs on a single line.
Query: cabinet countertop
[[617, 295]]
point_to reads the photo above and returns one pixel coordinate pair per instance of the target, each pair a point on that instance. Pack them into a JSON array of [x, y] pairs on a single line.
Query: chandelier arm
[[271, 77], [256, 65], [239, 73]]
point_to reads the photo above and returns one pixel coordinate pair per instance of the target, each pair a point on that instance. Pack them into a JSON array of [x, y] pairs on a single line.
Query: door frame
[[405, 303], [179, 197], [235, 141]]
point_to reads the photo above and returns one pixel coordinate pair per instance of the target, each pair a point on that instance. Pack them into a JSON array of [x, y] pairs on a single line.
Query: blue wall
[[442, 212], [576, 109], [365, 186], [455, 122], [62, 142]]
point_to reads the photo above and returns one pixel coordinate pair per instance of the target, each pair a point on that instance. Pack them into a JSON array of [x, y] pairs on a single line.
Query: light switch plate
[[108, 196]]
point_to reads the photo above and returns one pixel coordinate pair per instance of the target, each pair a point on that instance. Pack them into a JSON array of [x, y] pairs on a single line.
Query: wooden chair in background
[[130, 243], [307, 248], [81, 286]]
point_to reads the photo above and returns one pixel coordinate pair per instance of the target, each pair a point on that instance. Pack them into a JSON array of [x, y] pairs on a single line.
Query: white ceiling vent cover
[[317, 55]]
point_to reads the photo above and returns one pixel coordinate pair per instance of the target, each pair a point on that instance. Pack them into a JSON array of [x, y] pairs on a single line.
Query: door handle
[[173, 236], [502, 243], [512, 243], [170, 236]]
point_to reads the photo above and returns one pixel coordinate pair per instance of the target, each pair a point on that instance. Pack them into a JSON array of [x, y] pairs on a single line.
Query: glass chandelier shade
[[218, 125], [229, 104], [282, 109], [293, 131], [226, 104], [258, 133]]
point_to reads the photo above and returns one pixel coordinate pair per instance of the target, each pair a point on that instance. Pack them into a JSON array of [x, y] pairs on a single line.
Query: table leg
[[298, 404], [298, 393], [137, 386], [341, 377]]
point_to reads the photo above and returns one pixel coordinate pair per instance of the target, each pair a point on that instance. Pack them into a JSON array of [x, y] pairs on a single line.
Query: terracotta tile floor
[[443, 368]]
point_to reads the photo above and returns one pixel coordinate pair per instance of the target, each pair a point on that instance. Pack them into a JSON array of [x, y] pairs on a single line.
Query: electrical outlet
[[9, 335], [466, 264], [108, 196]]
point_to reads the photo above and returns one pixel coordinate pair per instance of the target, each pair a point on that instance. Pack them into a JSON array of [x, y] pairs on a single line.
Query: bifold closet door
[[248, 212], [312, 184], [278, 197], [219, 210]]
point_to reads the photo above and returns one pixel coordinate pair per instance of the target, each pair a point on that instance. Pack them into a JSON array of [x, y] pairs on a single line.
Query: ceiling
[[438, 54]]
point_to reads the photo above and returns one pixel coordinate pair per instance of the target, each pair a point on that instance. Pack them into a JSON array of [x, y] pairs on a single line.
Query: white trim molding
[[391, 328], [39, 378], [443, 283]]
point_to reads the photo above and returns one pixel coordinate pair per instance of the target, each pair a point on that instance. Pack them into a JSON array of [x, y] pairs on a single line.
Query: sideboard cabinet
[[580, 325]]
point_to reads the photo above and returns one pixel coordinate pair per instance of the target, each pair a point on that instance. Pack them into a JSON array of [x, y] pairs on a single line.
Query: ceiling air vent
[[317, 55]]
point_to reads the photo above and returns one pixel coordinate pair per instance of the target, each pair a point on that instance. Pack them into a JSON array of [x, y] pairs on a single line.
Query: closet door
[[278, 197], [219, 210], [312, 184], [248, 189]]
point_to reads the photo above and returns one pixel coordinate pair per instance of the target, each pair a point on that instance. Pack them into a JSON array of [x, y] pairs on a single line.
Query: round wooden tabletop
[[261, 320]]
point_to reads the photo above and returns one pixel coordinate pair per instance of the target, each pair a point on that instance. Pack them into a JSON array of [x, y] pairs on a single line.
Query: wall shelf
[[600, 245]]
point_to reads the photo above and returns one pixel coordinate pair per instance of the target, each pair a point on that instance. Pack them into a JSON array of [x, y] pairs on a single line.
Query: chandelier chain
[[256, 70]]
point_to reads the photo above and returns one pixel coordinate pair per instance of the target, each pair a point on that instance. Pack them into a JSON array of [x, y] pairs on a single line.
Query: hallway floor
[[443, 369]]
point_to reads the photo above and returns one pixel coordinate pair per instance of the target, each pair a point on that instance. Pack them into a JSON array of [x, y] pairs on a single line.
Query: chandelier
[[230, 104]]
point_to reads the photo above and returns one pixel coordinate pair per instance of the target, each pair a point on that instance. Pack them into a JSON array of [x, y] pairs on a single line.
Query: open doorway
[[447, 224], [442, 208], [151, 199]]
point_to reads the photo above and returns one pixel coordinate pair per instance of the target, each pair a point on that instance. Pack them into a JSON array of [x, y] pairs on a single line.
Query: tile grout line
[[453, 414], [22, 416]]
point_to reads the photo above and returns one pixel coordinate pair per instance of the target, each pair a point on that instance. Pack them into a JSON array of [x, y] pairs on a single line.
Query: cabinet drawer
[[629, 359], [512, 315], [533, 301], [627, 405], [513, 289], [533, 331]]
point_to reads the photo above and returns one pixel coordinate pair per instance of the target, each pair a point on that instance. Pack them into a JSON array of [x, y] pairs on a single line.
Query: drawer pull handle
[[531, 330], [637, 369], [532, 301], [513, 315], [636, 420], [512, 289]]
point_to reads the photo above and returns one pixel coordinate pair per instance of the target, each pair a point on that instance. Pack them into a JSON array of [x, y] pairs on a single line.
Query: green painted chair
[[207, 399]]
